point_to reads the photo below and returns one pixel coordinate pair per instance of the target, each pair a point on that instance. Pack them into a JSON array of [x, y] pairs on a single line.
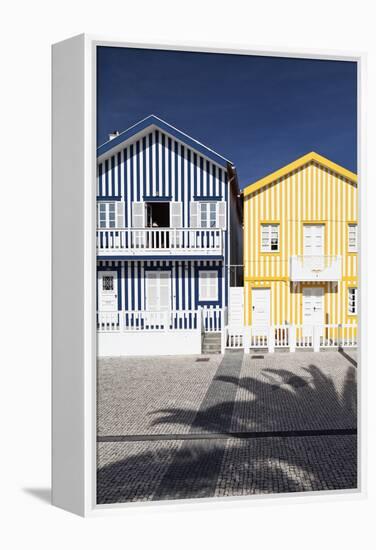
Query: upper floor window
[[208, 214], [110, 215], [353, 237], [269, 237], [352, 301]]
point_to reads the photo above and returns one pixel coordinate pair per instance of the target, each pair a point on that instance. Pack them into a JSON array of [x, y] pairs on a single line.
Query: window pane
[[108, 282]]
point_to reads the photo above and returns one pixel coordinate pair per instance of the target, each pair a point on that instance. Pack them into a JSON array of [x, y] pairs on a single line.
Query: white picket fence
[[131, 321], [291, 337], [206, 319]]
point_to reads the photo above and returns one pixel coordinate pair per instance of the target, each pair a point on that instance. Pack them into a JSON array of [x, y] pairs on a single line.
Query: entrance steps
[[211, 343]]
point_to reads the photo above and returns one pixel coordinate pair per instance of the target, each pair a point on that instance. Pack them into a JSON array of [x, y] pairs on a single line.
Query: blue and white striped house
[[168, 229]]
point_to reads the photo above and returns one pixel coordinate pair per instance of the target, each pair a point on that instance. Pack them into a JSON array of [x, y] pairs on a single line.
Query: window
[[353, 237], [208, 214], [208, 286], [269, 237], [106, 215], [108, 282], [352, 301]]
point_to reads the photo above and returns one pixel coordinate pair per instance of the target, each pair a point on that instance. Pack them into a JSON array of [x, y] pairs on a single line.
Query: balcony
[[159, 242], [315, 268]]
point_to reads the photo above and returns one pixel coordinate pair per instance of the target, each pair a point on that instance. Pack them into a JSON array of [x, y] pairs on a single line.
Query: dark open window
[[158, 214]]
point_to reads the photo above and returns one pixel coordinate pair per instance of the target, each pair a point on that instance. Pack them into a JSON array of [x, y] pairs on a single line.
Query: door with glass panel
[[107, 298]]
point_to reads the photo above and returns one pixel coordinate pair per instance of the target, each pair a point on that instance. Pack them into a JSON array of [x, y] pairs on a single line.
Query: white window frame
[[266, 228], [354, 237], [106, 210], [210, 208], [352, 300], [210, 279]]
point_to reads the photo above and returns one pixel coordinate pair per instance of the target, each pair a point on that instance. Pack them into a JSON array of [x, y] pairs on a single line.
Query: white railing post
[[292, 338], [199, 320], [271, 339], [246, 340], [223, 331], [316, 338], [223, 339]]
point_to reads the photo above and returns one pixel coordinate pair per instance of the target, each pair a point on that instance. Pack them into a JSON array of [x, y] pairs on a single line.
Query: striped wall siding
[[159, 165], [312, 193], [183, 278]]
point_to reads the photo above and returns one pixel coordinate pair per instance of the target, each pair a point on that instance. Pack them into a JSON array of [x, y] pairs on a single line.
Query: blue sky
[[259, 112]]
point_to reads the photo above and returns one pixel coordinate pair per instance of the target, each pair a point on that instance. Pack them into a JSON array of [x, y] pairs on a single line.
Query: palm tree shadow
[[274, 400]]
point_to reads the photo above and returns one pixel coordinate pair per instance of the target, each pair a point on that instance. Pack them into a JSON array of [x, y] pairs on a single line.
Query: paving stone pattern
[[225, 409]]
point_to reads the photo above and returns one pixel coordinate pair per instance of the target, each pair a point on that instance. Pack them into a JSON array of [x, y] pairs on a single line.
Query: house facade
[[168, 228], [301, 250]]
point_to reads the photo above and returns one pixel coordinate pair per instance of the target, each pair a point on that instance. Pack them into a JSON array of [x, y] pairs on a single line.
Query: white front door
[[260, 310], [158, 294], [314, 239], [313, 308], [107, 291]]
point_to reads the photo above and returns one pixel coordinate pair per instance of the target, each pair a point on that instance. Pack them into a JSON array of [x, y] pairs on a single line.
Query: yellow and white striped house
[[300, 245]]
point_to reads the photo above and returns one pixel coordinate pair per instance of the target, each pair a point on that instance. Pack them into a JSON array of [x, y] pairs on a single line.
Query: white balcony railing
[[315, 268], [159, 241]]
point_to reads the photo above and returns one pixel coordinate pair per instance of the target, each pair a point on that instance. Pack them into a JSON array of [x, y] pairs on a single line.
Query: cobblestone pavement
[[172, 427]]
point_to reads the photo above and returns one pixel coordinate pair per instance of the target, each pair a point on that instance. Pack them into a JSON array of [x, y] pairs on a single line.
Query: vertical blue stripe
[[132, 287], [126, 283], [139, 285], [182, 154], [100, 187], [214, 170], [195, 174], [106, 177], [150, 157], [118, 168], [144, 165], [201, 190], [131, 173], [163, 182], [189, 185], [157, 189], [176, 171], [170, 190], [138, 170], [183, 283], [113, 174], [126, 198]]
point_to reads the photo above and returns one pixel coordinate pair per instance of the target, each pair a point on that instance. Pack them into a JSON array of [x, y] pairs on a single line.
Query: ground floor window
[[352, 301], [208, 286]]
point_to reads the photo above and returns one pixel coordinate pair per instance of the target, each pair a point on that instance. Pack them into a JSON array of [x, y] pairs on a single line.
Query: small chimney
[[113, 135]]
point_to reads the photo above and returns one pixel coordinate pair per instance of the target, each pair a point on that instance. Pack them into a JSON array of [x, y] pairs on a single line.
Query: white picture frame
[[74, 259]]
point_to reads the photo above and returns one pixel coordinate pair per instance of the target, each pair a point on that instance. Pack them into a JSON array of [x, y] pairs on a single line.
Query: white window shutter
[[221, 215], [194, 214], [176, 214], [120, 215], [138, 214]]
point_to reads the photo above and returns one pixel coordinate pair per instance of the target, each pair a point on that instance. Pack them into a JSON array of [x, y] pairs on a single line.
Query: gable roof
[[153, 121], [298, 163]]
